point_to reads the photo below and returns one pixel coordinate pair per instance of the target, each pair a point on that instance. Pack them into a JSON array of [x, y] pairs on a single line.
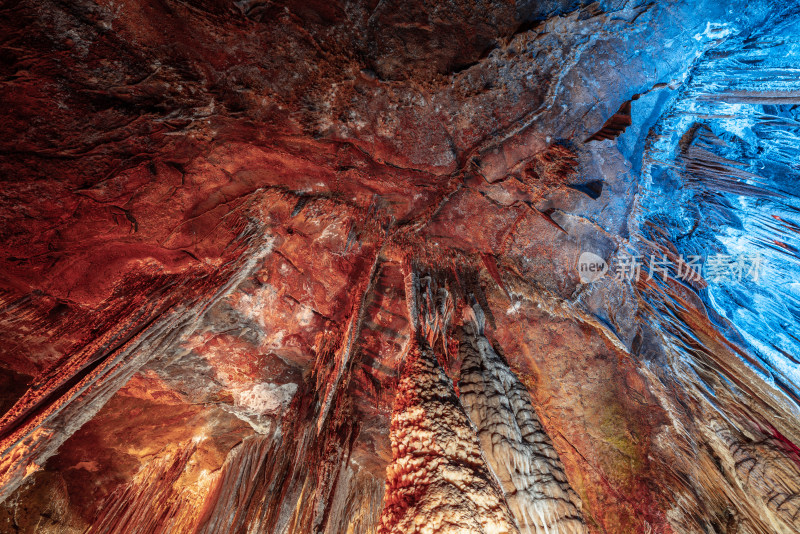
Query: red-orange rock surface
[[302, 267]]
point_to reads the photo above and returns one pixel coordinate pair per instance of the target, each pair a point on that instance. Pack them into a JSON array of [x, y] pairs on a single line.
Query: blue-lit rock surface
[[383, 266]]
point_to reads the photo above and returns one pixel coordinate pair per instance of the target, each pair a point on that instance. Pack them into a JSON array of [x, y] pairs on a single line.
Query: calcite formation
[[371, 266], [518, 449], [437, 480]]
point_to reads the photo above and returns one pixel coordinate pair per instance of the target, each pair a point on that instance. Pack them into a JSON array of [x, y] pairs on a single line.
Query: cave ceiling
[[390, 267]]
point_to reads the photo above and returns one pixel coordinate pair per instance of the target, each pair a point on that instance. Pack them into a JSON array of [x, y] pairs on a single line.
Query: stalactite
[[158, 500], [766, 473], [356, 504], [438, 480], [516, 446]]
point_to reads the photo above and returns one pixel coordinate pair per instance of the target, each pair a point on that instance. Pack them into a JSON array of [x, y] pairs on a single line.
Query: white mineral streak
[[514, 442], [267, 398], [438, 481]]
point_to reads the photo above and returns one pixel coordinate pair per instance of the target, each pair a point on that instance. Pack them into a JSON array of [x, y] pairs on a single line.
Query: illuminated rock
[[238, 240]]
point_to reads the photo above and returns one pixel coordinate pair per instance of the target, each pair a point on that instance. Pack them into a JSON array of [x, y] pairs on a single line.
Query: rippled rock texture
[[382, 266], [515, 443]]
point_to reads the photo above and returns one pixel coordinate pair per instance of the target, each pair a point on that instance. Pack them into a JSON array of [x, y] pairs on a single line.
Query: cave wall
[[262, 260]]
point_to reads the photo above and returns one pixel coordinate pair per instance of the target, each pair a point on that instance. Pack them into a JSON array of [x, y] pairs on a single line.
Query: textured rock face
[[304, 267]]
